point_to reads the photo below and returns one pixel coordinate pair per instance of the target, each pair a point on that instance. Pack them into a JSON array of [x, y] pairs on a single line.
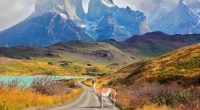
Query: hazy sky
[[14, 11]]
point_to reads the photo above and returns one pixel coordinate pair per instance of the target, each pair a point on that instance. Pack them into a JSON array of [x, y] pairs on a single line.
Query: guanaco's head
[[93, 84]]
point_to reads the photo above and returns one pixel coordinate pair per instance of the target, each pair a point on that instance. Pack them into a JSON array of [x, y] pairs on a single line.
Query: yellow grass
[[123, 101], [10, 66], [179, 63], [15, 99], [154, 107]]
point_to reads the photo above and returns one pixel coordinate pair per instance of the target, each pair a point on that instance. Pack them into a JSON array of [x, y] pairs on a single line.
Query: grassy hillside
[[10, 66], [167, 82], [182, 65], [73, 58]]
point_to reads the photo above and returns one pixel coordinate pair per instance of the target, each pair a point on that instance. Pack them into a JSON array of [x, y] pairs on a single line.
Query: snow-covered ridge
[[63, 15], [65, 20], [98, 10], [108, 3], [70, 9], [67, 9], [42, 6], [184, 19], [182, 2]]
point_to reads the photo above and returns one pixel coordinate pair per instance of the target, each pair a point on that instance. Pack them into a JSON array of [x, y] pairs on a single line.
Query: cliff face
[[183, 19], [44, 6], [65, 20]]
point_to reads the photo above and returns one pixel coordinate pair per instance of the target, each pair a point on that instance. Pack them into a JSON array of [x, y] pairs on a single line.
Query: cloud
[[14, 11], [149, 7]]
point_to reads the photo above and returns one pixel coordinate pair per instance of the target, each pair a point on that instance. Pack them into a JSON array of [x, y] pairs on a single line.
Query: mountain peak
[[74, 9], [181, 1], [42, 6], [65, 20], [108, 3], [128, 8], [98, 8], [111, 1], [71, 9], [182, 4]]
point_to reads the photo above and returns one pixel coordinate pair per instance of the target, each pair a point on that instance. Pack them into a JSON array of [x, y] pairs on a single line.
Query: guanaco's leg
[[112, 96], [101, 101], [114, 101]]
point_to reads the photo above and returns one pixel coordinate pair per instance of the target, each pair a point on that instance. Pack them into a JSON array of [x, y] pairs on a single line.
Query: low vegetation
[[169, 82], [50, 66], [48, 93], [170, 95], [181, 65], [61, 59]]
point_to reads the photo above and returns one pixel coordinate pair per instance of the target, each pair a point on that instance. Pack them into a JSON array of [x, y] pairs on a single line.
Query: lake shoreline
[[26, 80]]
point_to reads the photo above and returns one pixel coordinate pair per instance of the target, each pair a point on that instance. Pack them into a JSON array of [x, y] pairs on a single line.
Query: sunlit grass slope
[[182, 65], [169, 82]]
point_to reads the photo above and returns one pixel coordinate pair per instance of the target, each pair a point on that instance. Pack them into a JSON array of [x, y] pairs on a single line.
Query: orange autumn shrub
[[16, 99]]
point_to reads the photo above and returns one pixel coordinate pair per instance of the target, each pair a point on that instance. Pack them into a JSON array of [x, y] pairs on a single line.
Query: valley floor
[[168, 82]]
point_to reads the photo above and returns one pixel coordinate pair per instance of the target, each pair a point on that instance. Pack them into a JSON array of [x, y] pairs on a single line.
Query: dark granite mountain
[[65, 20]]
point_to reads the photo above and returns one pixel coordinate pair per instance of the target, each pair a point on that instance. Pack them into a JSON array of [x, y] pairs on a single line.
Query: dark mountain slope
[[158, 43], [42, 31]]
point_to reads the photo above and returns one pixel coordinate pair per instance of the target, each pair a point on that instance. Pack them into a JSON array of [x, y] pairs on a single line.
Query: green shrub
[[2, 107], [50, 73], [193, 62]]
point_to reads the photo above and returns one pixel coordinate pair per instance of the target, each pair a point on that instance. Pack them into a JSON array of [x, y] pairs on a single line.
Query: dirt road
[[88, 100]]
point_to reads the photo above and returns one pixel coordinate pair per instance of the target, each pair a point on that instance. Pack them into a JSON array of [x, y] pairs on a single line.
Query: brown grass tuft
[[171, 95], [49, 86]]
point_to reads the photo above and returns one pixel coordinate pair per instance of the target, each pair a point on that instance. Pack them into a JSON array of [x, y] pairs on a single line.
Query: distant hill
[[157, 43], [73, 58], [82, 50], [182, 65]]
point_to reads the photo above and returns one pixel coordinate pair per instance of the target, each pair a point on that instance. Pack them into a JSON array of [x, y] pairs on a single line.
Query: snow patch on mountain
[[64, 16], [65, 20], [43, 6], [108, 3], [96, 22], [67, 9], [184, 19]]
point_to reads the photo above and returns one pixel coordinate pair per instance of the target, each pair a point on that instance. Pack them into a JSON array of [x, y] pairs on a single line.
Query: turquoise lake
[[25, 81]]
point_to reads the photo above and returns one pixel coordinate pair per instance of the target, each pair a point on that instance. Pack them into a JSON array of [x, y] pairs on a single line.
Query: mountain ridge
[[67, 21], [158, 43], [183, 20]]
